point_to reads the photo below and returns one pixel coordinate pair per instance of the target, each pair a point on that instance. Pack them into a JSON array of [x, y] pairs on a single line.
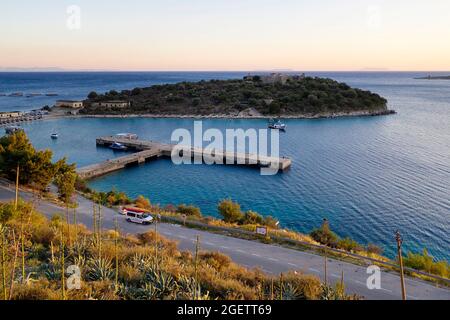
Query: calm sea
[[368, 176]]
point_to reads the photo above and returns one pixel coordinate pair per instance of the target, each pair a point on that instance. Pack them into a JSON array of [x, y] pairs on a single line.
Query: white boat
[[118, 146], [54, 136], [277, 125]]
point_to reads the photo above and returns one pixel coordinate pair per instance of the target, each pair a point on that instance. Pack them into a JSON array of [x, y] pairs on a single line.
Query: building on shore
[[69, 104], [11, 114], [112, 104]]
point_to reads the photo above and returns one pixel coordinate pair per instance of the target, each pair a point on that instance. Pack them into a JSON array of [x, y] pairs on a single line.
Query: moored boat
[[278, 125], [118, 146], [54, 136]]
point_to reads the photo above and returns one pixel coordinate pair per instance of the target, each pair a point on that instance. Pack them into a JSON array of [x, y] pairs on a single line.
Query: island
[[254, 96], [429, 77]]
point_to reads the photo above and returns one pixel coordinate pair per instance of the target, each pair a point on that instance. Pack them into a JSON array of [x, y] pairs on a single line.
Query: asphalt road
[[271, 259]]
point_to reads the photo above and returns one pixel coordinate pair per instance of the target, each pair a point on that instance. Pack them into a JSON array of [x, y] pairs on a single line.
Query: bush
[[230, 211], [92, 95], [189, 210], [325, 236], [425, 262], [349, 244], [372, 248], [143, 203], [251, 217]]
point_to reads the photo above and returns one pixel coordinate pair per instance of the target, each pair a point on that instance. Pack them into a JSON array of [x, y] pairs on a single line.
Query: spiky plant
[[163, 283], [100, 269], [291, 292], [189, 288]]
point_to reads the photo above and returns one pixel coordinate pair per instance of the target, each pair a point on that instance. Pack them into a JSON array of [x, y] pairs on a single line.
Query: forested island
[[275, 95]]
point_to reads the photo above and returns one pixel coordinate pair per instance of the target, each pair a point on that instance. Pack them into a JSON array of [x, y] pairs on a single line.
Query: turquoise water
[[368, 176]]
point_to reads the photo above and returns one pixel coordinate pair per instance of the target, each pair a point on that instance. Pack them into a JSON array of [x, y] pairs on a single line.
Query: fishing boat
[[118, 146], [278, 125], [54, 136]]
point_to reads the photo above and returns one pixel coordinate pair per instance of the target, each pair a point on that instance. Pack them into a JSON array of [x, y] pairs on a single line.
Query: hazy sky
[[226, 34]]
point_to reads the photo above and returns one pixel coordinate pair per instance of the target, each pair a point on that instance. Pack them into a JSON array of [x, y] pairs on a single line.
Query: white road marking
[[223, 247], [256, 255], [292, 264], [335, 275], [359, 282], [272, 259], [314, 270], [239, 250]]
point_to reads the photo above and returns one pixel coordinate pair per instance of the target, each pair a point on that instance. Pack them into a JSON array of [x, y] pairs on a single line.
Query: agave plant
[[52, 271], [164, 284], [188, 289], [100, 269], [142, 262], [291, 292]]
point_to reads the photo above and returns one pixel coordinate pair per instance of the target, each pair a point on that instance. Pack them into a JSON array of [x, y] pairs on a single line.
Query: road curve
[[272, 259]]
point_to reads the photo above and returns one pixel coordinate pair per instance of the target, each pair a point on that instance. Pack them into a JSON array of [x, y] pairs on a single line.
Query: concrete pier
[[147, 150]]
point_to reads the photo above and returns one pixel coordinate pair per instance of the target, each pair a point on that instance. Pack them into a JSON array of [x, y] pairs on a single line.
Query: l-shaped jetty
[[149, 150]]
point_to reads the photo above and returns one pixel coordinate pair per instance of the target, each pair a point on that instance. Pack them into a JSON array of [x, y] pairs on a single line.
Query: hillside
[[252, 97], [112, 266]]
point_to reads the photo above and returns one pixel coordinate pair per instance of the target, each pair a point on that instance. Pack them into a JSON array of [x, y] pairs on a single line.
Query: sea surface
[[369, 176]]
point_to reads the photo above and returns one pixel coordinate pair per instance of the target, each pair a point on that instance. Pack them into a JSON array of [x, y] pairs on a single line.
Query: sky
[[247, 35]]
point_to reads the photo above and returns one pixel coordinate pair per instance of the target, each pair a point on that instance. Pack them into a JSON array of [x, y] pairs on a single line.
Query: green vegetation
[[35, 167], [425, 262], [231, 213], [297, 97], [324, 235], [117, 267], [189, 210]]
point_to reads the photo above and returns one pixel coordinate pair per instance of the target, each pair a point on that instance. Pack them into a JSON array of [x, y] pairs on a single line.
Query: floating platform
[[145, 150]]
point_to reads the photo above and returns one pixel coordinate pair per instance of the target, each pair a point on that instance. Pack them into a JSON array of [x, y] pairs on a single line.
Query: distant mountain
[[36, 69]]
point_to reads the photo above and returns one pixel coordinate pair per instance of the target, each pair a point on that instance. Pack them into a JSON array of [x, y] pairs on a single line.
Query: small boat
[[54, 136], [277, 125], [118, 146]]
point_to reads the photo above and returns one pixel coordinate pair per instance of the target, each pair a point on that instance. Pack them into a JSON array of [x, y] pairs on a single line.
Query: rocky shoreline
[[381, 112]]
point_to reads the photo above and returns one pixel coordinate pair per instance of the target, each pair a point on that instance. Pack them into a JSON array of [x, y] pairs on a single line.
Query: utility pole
[[398, 238], [17, 187], [326, 267]]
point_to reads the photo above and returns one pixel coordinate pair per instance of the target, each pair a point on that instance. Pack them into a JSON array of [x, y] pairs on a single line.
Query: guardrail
[[202, 225]]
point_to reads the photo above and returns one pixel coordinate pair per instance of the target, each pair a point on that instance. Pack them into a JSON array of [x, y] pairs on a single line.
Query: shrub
[[92, 95], [324, 235], [372, 248], [251, 217], [230, 211], [349, 244], [189, 210], [425, 262], [143, 203]]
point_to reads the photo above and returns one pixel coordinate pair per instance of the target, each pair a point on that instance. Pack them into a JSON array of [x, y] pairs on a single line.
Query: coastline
[[239, 116]]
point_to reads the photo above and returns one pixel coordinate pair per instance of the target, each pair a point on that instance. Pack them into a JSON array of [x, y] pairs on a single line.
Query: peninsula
[[275, 95]]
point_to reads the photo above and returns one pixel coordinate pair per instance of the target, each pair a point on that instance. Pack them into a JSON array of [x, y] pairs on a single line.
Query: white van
[[139, 217]]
